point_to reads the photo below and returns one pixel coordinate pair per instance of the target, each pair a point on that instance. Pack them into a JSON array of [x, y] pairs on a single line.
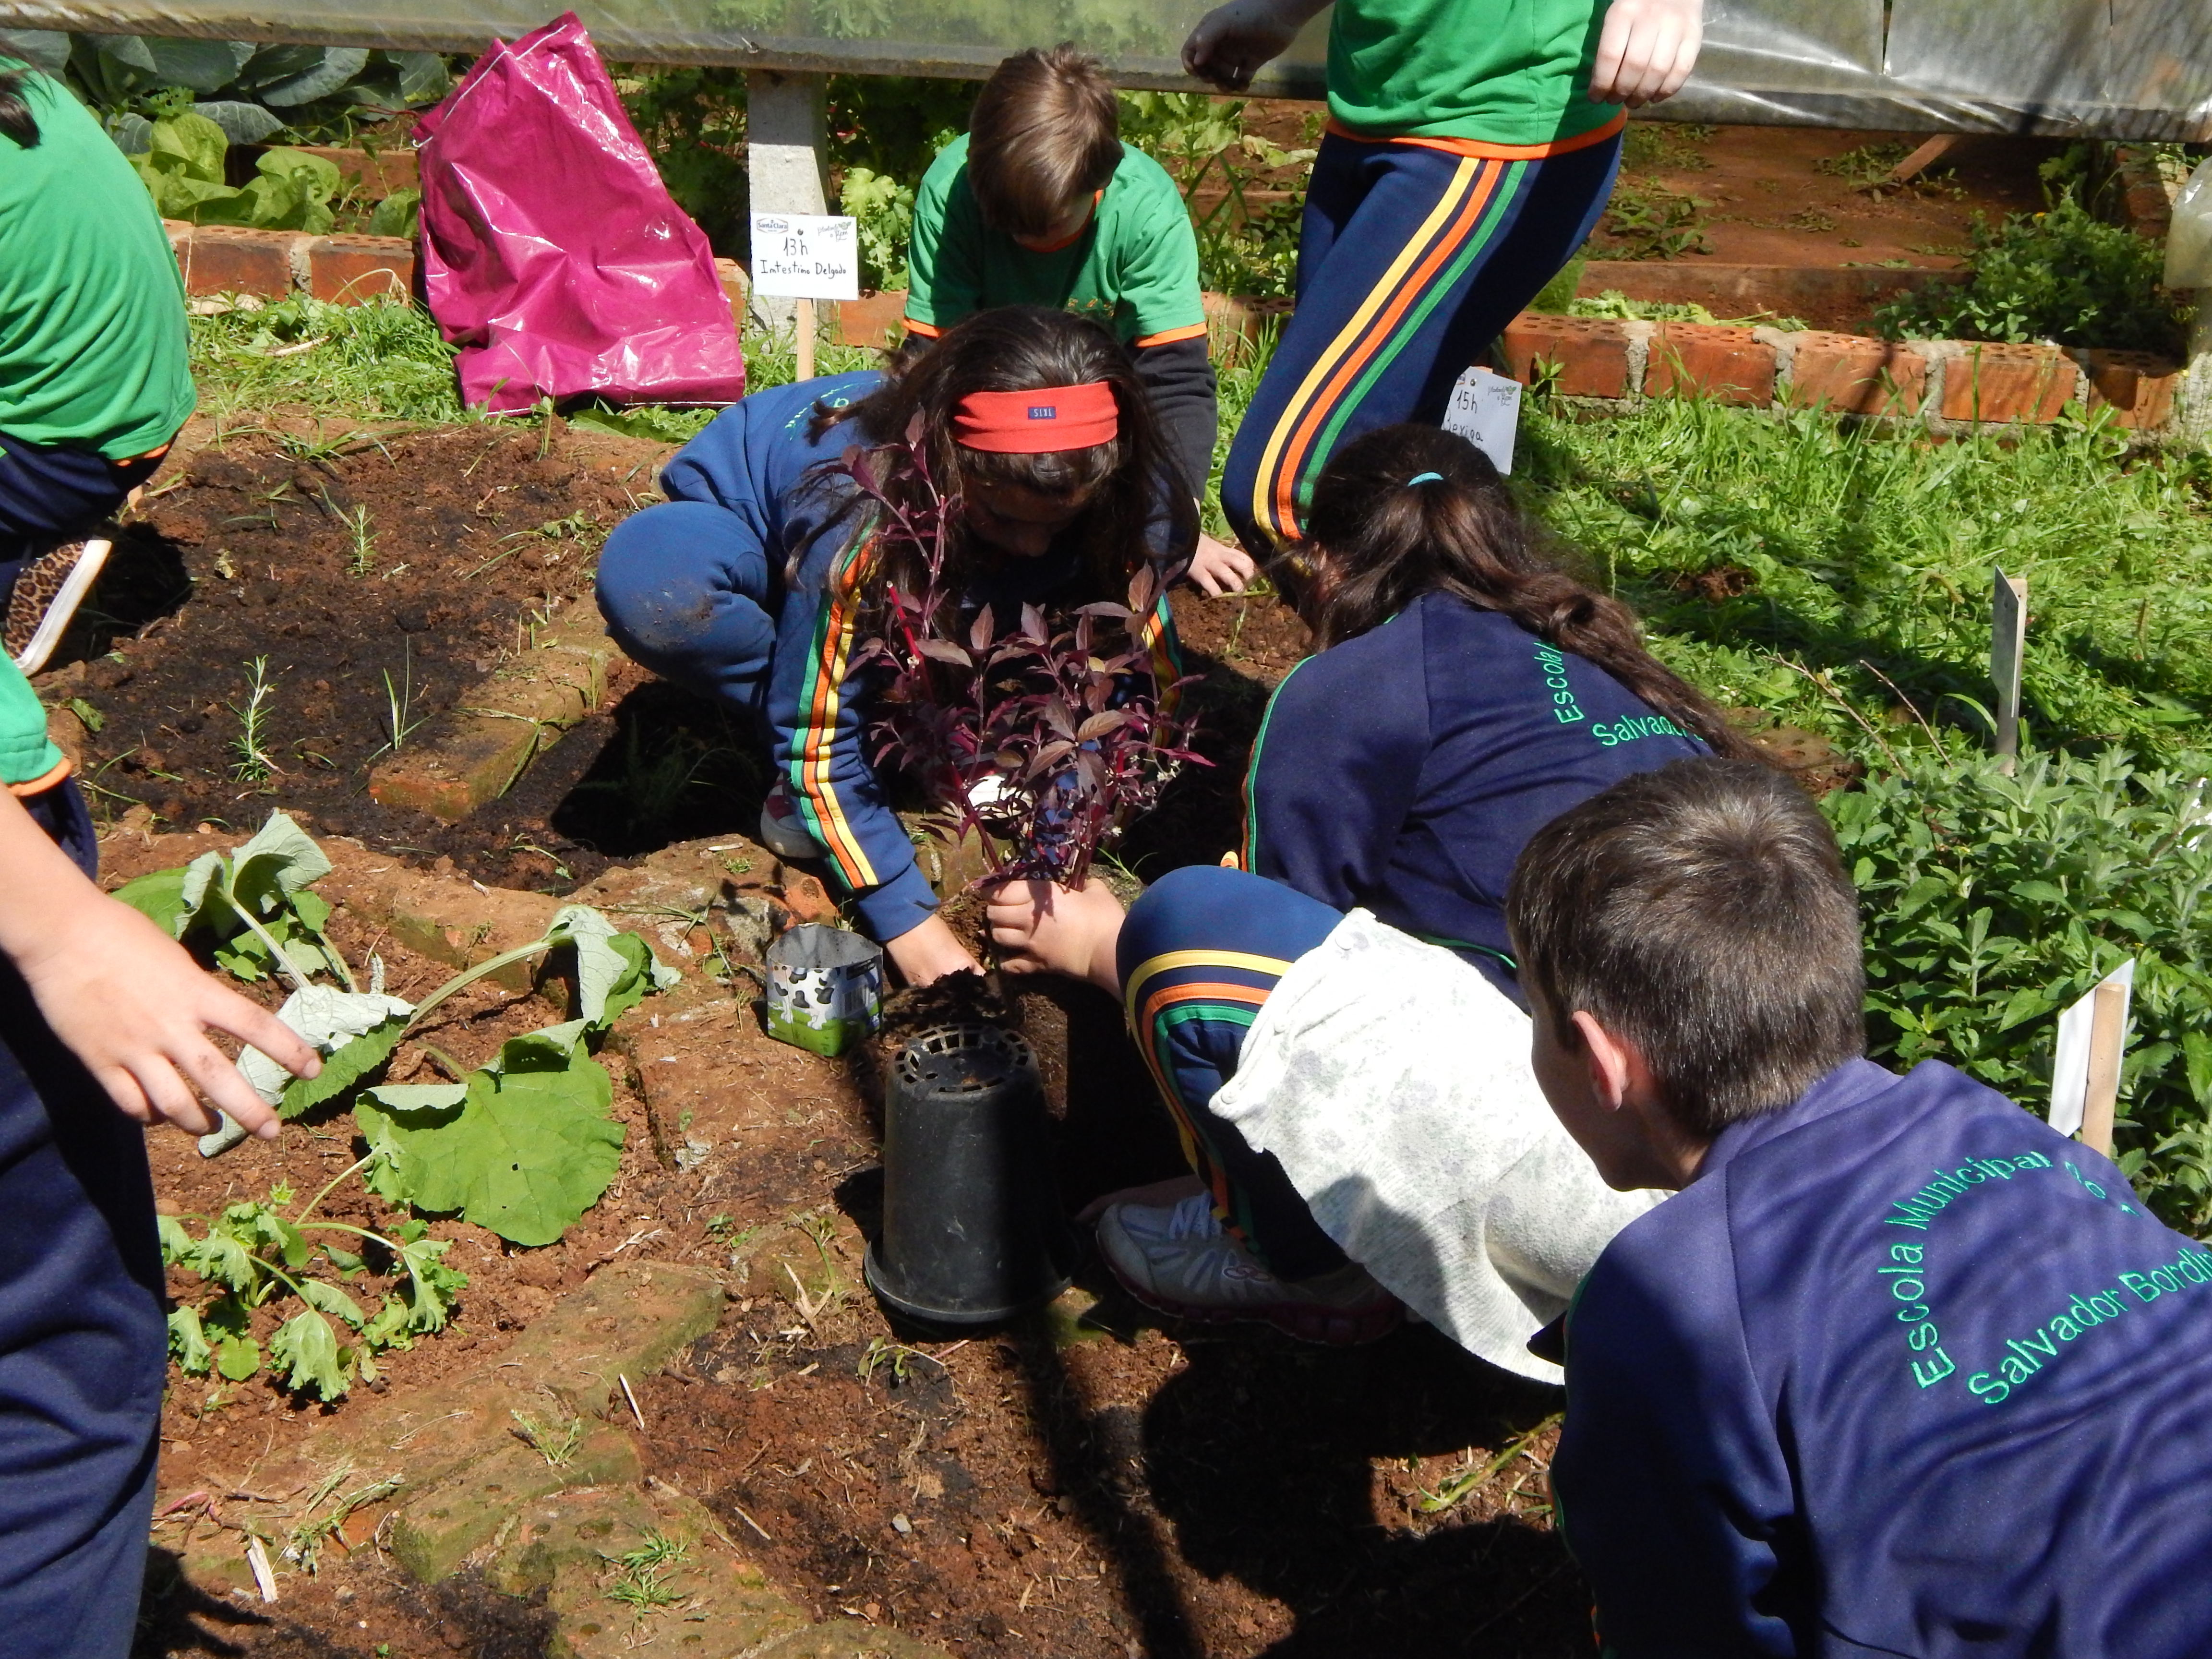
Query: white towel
[[1392, 1081]]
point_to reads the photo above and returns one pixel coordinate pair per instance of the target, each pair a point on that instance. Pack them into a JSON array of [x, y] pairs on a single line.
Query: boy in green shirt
[[93, 383], [1040, 203], [1471, 146]]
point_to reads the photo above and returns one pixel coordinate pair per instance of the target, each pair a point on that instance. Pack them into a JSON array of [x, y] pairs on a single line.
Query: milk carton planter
[[825, 988]]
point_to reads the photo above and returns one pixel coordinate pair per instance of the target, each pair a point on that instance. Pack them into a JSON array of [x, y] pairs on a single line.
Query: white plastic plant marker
[[1485, 411], [2008, 639], [2078, 1049]]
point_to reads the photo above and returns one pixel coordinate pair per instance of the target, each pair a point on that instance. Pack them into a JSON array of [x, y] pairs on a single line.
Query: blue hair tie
[[1425, 478]]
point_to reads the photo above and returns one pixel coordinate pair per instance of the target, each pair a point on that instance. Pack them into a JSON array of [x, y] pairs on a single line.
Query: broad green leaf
[[176, 1242], [388, 1327], [530, 1149], [306, 1347], [190, 145], [280, 858], [614, 969], [238, 1358], [223, 1259], [188, 1341], [330, 1299], [398, 214], [354, 1031], [199, 65], [159, 897], [338, 66], [433, 1283]]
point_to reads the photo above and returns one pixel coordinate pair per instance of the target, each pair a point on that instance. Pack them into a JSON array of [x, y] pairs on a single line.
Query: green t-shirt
[[1134, 268], [92, 311], [26, 753], [1513, 72]]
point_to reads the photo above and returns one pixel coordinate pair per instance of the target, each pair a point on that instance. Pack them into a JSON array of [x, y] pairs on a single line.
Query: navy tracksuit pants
[[1411, 261], [83, 1344]]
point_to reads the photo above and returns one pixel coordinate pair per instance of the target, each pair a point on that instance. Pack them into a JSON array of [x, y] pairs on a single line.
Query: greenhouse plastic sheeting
[[2119, 68]]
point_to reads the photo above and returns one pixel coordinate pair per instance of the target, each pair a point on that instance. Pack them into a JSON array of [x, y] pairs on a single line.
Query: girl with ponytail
[[1338, 1026], [759, 580]]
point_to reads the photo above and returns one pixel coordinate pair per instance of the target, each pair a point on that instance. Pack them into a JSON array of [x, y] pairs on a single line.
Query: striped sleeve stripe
[[814, 755], [1178, 1004], [1164, 653], [1218, 961]]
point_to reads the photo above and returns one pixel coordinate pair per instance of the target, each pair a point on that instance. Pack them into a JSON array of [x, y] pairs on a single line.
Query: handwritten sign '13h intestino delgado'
[[806, 256]]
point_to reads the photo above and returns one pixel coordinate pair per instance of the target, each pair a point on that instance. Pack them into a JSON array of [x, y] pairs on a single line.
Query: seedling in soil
[[364, 540], [1451, 1492], [304, 1549], [557, 1447], [883, 1352], [256, 1256], [642, 1574], [251, 745], [398, 700]]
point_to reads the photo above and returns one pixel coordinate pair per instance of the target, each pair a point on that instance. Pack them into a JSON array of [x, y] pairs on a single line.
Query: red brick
[[735, 288], [1591, 353], [226, 259], [1850, 375], [351, 269], [2006, 383], [873, 320], [1728, 365], [2136, 386]]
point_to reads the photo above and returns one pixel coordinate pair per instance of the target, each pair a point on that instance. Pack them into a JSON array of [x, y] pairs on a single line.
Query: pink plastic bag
[[552, 255]]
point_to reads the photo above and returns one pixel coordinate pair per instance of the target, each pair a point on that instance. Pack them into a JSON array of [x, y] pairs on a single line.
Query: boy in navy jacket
[[1898, 1369]]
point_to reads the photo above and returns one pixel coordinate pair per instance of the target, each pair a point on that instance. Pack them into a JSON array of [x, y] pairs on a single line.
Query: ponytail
[[17, 120], [1376, 541]]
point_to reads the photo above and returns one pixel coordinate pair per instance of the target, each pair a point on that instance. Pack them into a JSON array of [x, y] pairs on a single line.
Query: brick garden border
[[1950, 386]]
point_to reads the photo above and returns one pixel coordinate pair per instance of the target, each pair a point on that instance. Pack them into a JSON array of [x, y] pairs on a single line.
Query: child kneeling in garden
[[1900, 1370], [762, 577], [1336, 1027]]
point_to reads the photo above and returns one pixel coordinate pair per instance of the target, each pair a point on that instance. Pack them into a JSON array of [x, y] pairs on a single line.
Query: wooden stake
[[2108, 1022], [2007, 639], [804, 321], [1915, 164]]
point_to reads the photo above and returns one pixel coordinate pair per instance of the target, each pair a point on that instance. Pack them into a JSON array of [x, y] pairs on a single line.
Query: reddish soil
[[1768, 201]]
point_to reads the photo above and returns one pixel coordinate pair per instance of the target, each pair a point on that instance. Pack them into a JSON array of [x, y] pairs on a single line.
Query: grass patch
[[381, 359], [1866, 558]]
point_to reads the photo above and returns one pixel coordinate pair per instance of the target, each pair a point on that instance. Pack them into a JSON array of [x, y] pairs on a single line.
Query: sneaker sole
[[786, 843], [63, 611], [1323, 1327]]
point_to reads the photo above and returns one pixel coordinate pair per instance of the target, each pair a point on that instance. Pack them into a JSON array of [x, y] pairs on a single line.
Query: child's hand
[[1217, 568], [930, 953], [1232, 41], [1038, 927], [1646, 51], [132, 1004]]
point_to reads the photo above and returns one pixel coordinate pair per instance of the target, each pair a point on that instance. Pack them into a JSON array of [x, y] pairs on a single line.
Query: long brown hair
[[1376, 541], [1129, 502]]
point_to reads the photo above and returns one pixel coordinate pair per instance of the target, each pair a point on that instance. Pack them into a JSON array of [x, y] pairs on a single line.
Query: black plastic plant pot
[[973, 1232]]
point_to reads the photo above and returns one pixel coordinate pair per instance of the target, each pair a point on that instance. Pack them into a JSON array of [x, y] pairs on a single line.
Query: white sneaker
[[1180, 1258], [782, 832]]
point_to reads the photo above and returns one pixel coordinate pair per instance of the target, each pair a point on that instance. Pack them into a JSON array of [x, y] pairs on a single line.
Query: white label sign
[[1485, 411], [806, 256], [2069, 1071]]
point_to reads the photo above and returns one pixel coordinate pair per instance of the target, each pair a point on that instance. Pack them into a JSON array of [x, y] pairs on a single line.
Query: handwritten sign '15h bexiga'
[[806, 256]]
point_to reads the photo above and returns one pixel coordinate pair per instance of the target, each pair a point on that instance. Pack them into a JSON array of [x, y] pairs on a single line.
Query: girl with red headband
[[754, 580]]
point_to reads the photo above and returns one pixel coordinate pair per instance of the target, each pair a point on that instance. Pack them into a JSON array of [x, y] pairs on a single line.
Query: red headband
[[1052, 417]]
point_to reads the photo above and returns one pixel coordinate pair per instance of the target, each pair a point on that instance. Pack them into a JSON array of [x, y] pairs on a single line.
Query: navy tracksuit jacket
[[1902, 1371], [1403, 770]]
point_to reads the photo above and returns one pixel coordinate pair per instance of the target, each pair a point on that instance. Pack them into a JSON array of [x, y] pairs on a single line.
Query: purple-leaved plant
[[1040, 742]]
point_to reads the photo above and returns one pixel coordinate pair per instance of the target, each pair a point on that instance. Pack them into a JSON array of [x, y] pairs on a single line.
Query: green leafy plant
[[1649, 221], [1247, 242], [1992, 901], [640, 1577], [384, 356], [1671, 145], [249, 907], [363, 537], [251, 745], [256, 1256], [1864, 164], [557, 1447], [253, 91], [183, 167], [2062, 275], [883, 215]]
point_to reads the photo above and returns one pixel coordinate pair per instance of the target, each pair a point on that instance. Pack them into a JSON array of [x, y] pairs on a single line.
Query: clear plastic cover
[[2123, 67]]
